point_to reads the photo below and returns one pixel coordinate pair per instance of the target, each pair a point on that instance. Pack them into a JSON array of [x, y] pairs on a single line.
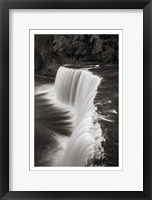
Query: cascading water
[[77, 89]]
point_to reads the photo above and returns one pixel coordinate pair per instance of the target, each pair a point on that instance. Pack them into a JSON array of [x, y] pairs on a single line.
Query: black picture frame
[[5, 5]]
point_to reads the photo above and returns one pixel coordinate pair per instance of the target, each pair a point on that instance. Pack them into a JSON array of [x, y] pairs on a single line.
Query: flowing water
[[77, 89], [67, 128]]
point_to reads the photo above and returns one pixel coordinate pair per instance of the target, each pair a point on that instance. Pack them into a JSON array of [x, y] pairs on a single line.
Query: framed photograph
[[75, 99]]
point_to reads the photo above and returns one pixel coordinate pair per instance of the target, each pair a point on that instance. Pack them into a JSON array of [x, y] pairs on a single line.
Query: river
[[55, 122]]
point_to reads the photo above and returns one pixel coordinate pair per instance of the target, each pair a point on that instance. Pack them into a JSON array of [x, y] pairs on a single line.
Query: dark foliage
[[51, 51]]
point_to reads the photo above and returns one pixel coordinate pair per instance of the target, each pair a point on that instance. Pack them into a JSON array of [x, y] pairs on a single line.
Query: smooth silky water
[[73, 131]]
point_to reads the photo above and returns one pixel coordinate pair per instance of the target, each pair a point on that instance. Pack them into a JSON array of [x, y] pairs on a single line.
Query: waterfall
[[77, 88]]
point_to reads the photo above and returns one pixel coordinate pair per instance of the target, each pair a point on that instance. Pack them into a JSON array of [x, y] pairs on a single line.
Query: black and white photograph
[[76, 100]]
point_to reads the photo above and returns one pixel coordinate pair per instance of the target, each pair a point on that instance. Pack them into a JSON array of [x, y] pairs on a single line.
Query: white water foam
[[77, 88]]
